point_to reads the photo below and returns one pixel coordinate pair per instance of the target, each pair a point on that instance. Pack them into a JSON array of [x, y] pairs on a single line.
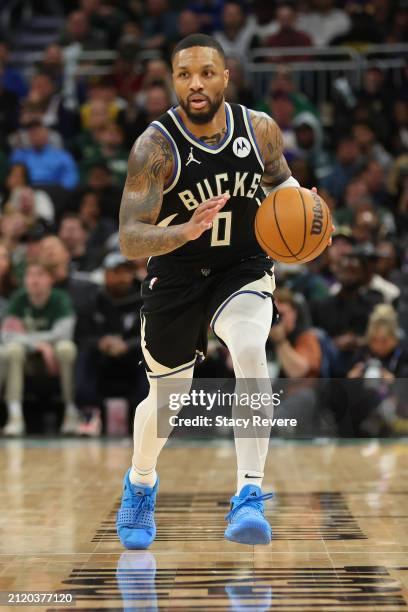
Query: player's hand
[[203, 216], [314, 189]]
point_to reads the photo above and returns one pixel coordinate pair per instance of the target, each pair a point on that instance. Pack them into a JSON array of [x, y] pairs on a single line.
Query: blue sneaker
[[135, 519], [247, 524]]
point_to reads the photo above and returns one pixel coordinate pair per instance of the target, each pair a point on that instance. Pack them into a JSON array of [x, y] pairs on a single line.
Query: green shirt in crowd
[[41, 318]]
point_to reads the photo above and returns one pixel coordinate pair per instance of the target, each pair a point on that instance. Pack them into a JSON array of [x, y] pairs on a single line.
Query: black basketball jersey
[[202, 171]]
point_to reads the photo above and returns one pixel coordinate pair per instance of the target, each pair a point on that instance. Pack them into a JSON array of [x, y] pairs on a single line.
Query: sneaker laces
[[142, 502], [250, 500]]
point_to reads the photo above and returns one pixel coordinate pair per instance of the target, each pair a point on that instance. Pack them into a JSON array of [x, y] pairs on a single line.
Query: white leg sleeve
[[147, 444], [244, 325]]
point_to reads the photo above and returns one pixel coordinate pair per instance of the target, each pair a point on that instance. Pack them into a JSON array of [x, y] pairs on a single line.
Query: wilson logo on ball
[[317, 223]]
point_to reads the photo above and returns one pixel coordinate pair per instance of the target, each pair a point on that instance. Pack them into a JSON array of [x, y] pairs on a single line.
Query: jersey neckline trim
[[196, 141]]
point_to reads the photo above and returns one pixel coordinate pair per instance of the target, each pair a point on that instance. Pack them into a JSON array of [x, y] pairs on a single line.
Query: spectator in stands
[[8, 111], [54, 253], [368, 145], [344, 169], [366, 225], [323, 22], [297, 347], [12, 80], [238, 90], [31, 112], [46, 164], [264, 18], [156, 72], [13, 231], [363, 30], [86, 141], [100, 180], [281, 108], [310, 145], [283, 83], [399, 131], [367, 253], [237, 36], [373, 96], [54, 113], [398, 31], [8, 281], [100, 228], [23, 201], [382, 359], [342, 245], [101, 94], [129, 43], [17, 177], [374, 177], [398, 188], [287, 35], [344, 315], [188, 22], [78, 35], [52, 63], [159, 24], [305, 279], [105, 18], [109, 149], [209, 12], [109, 338], [39, 322], [355, 197], [154, 101], [126, 77], [389, 262], [74, 234]]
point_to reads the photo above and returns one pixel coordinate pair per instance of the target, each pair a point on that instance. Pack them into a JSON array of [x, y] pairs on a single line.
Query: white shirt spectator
[[322, 27]]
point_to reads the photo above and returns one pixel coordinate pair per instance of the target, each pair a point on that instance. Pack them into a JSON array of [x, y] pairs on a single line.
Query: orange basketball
[[293, 225]]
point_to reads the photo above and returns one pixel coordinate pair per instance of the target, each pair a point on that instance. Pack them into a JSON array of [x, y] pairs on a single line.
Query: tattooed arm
[[150, 163], [269, 139]]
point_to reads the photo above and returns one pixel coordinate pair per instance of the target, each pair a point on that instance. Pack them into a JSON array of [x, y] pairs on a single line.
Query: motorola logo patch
[[241, 147]]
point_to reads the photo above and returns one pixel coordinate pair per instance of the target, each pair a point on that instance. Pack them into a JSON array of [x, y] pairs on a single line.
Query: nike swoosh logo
[[249, 476]]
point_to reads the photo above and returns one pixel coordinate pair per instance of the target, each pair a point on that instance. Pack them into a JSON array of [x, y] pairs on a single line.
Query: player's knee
[[65, 350], [14, 351]]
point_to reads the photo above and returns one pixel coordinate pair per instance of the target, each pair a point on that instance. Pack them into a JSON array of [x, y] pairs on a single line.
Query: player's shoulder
[[152, 145], [261, 120]]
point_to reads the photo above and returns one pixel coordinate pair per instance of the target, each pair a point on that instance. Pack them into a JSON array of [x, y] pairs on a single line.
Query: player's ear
[[226, 77]]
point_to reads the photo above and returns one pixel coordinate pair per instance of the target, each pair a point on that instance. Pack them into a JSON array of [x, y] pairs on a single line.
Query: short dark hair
[[198, 40]]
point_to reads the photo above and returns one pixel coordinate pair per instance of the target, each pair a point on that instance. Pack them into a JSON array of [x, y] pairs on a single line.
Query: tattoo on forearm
[[269, 138], [215, 138], [150, 163]]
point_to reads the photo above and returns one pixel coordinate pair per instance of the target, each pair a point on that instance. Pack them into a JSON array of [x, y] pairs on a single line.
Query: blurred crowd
[[69, 302]]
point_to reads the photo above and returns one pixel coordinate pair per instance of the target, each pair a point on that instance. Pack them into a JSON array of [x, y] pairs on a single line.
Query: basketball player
[[196, 177]]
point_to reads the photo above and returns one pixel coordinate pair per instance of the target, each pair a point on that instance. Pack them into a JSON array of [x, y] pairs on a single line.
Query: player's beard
[[200, 118]]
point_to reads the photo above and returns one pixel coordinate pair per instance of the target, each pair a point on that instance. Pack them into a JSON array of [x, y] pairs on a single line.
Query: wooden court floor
[[340, 522]]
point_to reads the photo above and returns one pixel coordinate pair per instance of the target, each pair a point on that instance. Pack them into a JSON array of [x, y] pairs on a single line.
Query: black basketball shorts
[[179, 306]]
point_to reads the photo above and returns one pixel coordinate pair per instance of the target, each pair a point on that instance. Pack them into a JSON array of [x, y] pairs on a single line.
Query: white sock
[[15, 410], [148, 479], [245, 477]]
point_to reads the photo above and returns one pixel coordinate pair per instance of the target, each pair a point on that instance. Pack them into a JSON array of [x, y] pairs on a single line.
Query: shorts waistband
[[202, 270]]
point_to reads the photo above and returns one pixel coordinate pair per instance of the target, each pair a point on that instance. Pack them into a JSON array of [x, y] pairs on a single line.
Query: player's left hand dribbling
[[314, 189]]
